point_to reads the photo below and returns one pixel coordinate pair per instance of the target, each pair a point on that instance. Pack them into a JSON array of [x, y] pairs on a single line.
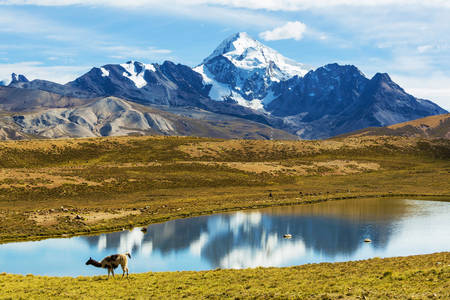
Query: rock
[[367, 240], [287, 236], [78, 217], [144, 230]]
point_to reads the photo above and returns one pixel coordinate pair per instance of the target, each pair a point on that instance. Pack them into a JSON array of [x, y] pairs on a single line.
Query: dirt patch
[[103, 216], [52, 218], [48, 219]]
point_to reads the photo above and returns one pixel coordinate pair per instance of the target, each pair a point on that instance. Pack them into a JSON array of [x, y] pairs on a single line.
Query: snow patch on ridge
[[255, 104], [105, 73], [135, 71], [219, 91]]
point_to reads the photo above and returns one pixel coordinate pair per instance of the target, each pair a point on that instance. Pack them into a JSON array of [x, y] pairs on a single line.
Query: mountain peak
[[382, 77], [246, 53], [18, 78], [236, 43]]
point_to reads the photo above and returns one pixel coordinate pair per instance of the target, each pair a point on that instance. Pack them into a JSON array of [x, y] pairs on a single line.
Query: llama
[[111, 262]]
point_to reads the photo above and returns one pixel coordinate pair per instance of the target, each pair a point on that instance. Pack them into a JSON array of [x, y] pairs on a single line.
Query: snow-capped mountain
[[165, 84], [243, 70], [334, 99], [243, 78]]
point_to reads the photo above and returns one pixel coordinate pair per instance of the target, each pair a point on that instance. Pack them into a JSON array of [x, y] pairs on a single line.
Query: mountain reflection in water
[[329, 231], [255, 238]]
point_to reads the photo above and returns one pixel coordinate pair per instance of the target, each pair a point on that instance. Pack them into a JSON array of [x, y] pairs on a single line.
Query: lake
[[324, 232]]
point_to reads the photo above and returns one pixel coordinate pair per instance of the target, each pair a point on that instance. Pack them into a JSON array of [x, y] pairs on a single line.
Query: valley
[[129, 145], [65, 187], [224, 149]]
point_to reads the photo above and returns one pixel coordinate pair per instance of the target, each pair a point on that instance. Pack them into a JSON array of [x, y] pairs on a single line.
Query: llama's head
[[90, 261]]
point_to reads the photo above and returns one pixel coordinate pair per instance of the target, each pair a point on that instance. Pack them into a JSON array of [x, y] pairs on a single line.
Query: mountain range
[[242, 83]]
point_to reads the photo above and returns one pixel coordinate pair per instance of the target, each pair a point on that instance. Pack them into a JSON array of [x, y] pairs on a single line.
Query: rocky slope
[[55, 116]]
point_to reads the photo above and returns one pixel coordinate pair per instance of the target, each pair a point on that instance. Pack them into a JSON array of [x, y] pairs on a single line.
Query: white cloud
[[69, 40], [134, 53], [37, 70], [225, 13], [434, 87], [290, 30], [424, 48], [273, 5]]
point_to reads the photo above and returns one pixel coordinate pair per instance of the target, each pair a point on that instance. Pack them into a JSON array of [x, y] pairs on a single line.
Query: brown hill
[[437, 126]]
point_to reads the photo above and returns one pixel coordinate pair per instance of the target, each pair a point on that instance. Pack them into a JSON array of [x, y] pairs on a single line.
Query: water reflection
[[330, 231]]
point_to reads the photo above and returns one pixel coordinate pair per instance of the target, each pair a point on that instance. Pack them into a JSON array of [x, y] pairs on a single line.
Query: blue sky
[[59, 40]]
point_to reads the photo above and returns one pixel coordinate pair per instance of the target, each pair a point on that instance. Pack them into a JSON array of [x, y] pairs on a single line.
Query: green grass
[[414, 277]]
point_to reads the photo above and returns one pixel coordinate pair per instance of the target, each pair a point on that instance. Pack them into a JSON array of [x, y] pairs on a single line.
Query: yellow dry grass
[[324, 168], [44, 177], [216, 149], [54, 144]]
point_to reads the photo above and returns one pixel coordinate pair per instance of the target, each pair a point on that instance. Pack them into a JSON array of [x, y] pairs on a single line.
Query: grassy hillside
[[115, 183], [430, 127], [415, 277]]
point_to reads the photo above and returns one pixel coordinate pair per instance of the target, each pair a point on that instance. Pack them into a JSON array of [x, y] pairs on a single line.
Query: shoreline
[[445, 198]]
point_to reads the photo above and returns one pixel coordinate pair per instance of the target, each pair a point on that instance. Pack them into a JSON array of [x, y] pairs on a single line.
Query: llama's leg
[[108, 273], [112, 271], [123, 270]]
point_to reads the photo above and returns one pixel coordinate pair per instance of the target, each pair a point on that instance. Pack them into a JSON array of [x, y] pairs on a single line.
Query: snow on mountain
[[105, 73], [249, 54], [242, 70], [135, 71]]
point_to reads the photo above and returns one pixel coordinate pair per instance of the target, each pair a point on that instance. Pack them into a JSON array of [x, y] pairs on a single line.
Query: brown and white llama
[[111, 262]]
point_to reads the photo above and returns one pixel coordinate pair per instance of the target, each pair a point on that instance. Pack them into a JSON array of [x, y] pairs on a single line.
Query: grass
[[414, 277]]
